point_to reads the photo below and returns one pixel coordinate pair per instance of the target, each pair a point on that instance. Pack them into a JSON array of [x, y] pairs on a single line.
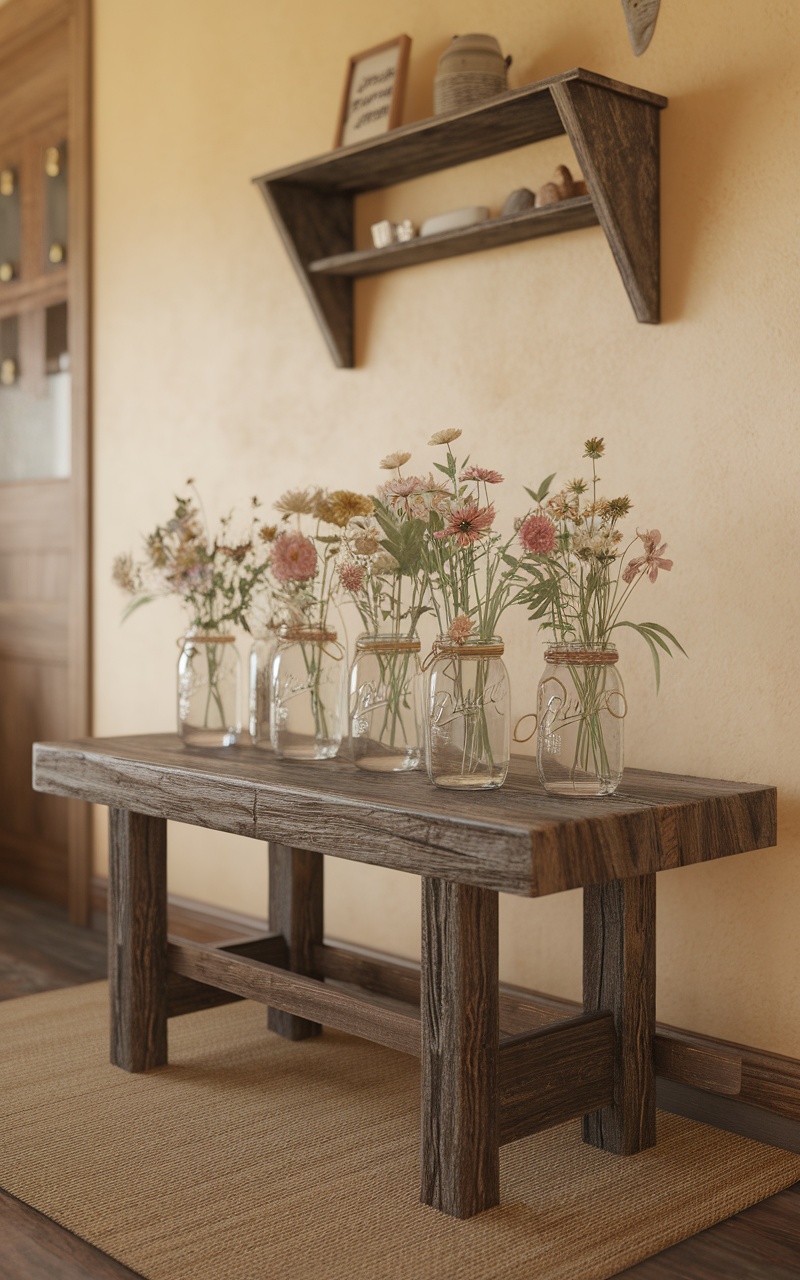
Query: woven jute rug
[[250, 1156]]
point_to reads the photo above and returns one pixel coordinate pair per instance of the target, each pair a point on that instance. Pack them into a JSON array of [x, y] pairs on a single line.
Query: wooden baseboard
[[767, 1108]]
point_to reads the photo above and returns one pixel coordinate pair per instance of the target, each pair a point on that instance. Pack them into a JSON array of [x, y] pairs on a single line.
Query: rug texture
[[250, 1156]]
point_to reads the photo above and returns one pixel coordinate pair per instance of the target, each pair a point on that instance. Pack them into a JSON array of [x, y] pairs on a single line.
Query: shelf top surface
[[516, 839], [513, 119]]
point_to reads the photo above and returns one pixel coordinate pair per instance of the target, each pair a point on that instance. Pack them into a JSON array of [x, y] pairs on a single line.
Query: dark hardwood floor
[[40, 951]]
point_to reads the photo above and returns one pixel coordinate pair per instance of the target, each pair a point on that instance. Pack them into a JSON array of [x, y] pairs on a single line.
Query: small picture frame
[[373, 92]]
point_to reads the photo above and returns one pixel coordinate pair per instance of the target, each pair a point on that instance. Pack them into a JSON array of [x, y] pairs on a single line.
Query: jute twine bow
[[453, 649]]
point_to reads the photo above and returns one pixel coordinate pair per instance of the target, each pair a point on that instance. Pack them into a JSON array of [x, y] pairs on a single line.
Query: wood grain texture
[[358, 1015], [311, 202], [514, 840], [568, 215], [33, 1247], [296, 913], [616, 141], [45, 75], [619, 975], [460, 1154], [555, 1074], [80, 638], [184, 995], [693, 1060], [510, 120], [137, 940], [317, 225]]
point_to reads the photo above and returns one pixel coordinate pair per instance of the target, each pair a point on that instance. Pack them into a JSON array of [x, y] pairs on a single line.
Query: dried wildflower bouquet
[[380, 570], [216, 579], [468, 574], [580, 579], [308, 668]]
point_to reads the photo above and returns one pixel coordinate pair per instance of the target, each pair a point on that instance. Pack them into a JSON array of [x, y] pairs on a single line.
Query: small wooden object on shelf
[[614, 131]]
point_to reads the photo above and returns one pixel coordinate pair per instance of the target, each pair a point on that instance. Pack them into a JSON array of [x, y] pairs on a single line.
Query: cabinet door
[[45, 315]]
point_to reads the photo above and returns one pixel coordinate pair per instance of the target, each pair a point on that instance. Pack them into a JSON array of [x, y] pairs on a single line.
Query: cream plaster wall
[[208, 363]]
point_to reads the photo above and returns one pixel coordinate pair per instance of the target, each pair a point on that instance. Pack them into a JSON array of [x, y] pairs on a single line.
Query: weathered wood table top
[[482, 1085], [514, 840]]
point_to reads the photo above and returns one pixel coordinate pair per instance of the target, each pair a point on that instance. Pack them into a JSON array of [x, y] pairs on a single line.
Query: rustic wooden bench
[[495, 1065]]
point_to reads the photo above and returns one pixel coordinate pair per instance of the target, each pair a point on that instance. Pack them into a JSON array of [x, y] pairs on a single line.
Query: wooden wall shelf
[[614, 132]]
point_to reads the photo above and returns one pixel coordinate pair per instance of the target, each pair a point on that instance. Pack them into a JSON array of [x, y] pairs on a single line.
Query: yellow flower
[[340, 506], [446, 436], [297, 502], [268, 532], [393, 460]]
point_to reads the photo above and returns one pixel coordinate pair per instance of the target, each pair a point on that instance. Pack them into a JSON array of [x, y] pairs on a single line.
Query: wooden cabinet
[[614, 131], [44, 458]]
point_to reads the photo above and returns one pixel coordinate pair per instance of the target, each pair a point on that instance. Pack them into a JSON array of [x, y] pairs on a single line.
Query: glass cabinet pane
[[35, 407], [9, 226]]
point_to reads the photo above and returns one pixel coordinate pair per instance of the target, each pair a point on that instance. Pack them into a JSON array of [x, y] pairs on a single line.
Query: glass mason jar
[[467, 739], [208, 690], [384, 703], [307, 689], [581, 709], [259, 687]]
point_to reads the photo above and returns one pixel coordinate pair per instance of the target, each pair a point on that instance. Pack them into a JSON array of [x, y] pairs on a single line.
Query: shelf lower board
[[568, 215]]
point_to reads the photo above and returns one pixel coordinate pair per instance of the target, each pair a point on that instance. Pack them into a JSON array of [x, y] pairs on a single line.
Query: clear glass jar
[[581, 710], [307, 694], [467, 737], [384, 703], [209, 674], [259, 688]]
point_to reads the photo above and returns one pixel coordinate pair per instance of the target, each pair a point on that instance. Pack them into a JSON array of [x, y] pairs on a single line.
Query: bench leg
[[460, 1048], [137, 940], [295, 910], [619, 975]]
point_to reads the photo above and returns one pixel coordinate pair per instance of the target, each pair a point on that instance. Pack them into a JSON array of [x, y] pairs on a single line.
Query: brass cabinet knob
[[8, 372], [52, 162], [7, 182], [56, 253], [6, 272]]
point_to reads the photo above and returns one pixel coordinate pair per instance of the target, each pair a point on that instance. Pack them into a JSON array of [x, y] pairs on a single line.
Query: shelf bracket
[[317, 224], [616, 141]]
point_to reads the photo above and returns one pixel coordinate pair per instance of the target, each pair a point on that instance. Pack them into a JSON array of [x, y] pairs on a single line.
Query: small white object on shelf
[[455, 219]]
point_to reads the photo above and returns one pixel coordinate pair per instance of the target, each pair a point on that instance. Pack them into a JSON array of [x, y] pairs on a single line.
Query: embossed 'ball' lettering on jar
[[467, 736], [208, 690], [306, 712], [385, 708], [581, 709]]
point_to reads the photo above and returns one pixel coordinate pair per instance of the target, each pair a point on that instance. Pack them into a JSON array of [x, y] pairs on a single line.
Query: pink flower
[[293, 558], [538, 535], [467, 522], [460, 628], [351, 577], [651, 560], [483, 474]]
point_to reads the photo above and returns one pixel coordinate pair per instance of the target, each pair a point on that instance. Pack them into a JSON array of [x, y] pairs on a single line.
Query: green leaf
[[634, 626], [136, 604], [543, 490], [443, 469], [655, 626]]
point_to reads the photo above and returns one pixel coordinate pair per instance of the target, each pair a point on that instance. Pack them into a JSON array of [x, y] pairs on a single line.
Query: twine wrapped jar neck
[[446, 646], [204, 637], [578, 653], [310, 635], [378, 643]]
